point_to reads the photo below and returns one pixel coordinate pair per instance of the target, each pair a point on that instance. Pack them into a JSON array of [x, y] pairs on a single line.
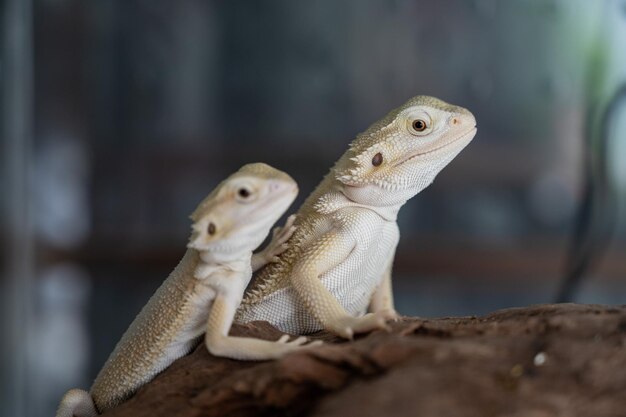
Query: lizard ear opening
[[202, 233]]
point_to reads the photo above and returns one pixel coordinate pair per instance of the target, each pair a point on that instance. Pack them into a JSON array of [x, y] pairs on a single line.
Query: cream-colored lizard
[[338, 263], [203, 292]]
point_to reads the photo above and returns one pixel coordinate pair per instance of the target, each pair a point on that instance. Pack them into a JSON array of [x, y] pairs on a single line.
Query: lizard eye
[[243, 193], [377, 159], [211, 229], [419, 125]]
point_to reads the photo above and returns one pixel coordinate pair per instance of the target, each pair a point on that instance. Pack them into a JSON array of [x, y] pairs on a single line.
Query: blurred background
[[118, 117]]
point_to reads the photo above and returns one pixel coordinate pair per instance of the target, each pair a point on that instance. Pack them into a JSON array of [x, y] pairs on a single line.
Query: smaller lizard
[[203, 292]]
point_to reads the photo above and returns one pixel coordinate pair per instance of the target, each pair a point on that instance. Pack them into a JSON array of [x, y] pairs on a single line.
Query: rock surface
[[551, 360]]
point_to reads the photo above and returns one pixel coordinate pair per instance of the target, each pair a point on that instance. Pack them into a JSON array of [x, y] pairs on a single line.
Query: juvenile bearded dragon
[[203, 292], [338, 262]]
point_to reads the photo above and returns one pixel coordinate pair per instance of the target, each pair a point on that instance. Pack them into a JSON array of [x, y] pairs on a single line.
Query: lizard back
[[144, 351]]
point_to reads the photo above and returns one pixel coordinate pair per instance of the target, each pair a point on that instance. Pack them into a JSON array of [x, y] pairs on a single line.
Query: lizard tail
[[77, 403]]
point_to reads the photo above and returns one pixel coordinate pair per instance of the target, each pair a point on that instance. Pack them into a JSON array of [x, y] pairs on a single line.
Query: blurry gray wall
[[142, 107]]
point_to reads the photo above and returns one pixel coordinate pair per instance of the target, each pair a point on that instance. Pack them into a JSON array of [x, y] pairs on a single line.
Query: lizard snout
[[462, 118], [283, 186]]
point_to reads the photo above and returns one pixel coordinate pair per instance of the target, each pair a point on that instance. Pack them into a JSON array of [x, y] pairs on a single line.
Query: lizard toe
[[299, 341]]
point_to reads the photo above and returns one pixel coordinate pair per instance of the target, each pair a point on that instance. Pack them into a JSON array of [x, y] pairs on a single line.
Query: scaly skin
[[338, 262], [203, 292]]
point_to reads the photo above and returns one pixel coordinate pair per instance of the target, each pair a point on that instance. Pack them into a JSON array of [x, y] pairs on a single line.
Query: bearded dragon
[[338, 262], [203, 292]]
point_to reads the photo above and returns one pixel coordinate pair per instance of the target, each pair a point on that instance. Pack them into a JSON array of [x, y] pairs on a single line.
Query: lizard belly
[[352, 282]]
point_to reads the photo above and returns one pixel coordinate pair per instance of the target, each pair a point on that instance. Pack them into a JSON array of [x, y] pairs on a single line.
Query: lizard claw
[[299, 341], [389, 314], [348, 333], [393, 315], [290, 220]]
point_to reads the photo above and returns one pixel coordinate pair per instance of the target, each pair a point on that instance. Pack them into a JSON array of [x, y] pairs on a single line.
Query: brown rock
[[551, 360]]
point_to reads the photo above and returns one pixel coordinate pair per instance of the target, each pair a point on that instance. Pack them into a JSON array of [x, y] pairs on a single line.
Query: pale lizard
[[203, 292], [338, 263]]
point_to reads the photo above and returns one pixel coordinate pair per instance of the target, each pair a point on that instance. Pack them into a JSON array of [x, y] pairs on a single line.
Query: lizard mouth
[[467, 134]]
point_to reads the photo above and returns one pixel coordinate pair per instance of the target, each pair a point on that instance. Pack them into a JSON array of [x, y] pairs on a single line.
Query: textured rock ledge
[[550, 360]]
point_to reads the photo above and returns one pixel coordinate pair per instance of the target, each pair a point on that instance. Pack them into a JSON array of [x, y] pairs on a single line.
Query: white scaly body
[[337, 266], [202, 293], [351, 281]]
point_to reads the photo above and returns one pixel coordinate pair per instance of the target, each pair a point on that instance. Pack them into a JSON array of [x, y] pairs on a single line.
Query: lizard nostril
[[455, 121], [276, 186]]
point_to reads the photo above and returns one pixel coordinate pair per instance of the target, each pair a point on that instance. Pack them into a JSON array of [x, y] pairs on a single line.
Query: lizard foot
[[283, 346], [280, 236], [299, 341], [391, 314], [347, 326], [244, 348]]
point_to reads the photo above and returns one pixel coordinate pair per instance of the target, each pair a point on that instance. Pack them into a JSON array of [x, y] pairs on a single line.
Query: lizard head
[[401, 154], [240, 211]]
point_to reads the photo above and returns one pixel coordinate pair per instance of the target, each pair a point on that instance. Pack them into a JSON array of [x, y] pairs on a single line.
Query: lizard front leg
[[329, 251], [219, 343], [382, 299]]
